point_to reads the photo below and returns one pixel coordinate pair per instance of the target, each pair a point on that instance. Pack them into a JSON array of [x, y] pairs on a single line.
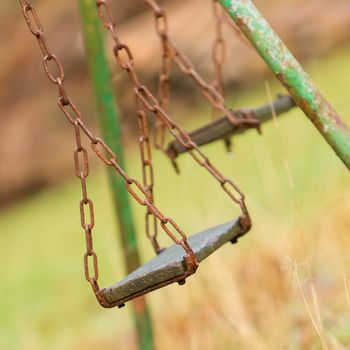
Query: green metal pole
[[291, 74], [101, 77]]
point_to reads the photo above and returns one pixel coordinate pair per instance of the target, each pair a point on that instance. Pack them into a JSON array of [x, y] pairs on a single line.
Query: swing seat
[[168, 266]]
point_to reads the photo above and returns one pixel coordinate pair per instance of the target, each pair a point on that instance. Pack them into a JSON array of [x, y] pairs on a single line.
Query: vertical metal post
[[101, 77], [287, 69]]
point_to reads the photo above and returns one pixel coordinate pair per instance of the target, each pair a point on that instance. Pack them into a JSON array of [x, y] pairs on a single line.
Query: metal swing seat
[[170, 266]]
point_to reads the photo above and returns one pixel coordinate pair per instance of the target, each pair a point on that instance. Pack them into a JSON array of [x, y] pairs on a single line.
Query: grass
[[285, 286]]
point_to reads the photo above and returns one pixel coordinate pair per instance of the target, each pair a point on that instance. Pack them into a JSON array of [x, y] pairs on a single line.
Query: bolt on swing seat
[[169, 266]]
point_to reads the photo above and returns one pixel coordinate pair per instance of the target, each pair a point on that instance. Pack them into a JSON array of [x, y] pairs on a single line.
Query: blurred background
[[285, 285]]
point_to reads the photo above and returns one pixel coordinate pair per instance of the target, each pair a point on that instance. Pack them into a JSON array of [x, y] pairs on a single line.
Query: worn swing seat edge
[[169, 266]]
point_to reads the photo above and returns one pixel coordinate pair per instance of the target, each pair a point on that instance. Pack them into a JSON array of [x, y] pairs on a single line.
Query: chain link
[[102, 150]]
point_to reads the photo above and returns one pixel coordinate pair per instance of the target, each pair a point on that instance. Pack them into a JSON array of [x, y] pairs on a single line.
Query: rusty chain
[[102, 150], [209, 91], [218, 57], [126, 62], [219, 49], [161, 23], [151, 225]]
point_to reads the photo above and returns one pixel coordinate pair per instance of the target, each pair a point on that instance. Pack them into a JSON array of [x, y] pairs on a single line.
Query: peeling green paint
[[287, 69]]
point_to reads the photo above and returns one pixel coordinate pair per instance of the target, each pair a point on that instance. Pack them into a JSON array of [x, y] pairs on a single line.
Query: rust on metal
[[170, 266], [213, 93], [221, 128]]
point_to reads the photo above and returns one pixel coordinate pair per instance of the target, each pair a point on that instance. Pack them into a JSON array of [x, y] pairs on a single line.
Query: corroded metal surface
[[291, 74], [169, 266], [213, 93], [222, 128]]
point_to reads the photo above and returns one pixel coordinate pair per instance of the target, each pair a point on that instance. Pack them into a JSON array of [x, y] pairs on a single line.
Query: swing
[[222, 128], [180, 260], [169, 267]]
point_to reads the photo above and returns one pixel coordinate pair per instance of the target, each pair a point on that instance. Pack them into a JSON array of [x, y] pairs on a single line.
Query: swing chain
[[81, 160], [209, 91], [164, 80], [103, 151], [151, 226], [218, 57], [150, 103], [219, 49]]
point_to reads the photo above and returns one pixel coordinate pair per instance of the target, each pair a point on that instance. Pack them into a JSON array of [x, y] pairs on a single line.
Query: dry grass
[[266, 297]]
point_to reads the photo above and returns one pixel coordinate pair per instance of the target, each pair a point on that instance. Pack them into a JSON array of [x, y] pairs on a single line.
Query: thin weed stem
[[346, 289], [319, 330]]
